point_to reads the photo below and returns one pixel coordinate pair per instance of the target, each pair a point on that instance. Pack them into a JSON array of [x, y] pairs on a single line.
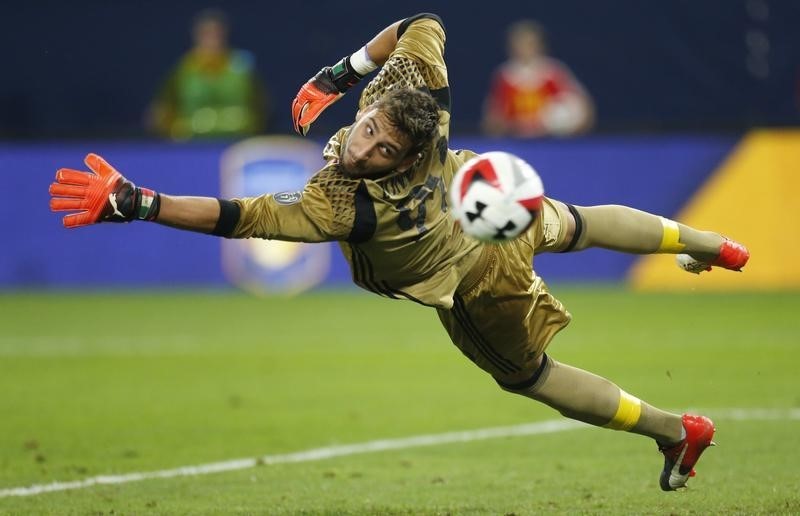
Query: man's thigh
[[506, 321]]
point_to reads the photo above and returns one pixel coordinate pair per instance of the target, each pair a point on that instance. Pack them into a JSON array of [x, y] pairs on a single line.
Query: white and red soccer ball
[[496, 196]]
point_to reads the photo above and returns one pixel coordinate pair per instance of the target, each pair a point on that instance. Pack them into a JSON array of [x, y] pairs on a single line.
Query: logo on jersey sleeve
[[288, 198]]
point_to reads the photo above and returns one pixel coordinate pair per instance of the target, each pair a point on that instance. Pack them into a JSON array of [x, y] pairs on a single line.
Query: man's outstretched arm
[[201, 214], [105, 195], [330, 83], [102, 194]]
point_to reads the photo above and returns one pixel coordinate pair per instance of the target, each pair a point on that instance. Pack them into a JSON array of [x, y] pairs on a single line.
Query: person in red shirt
[[532, 94]]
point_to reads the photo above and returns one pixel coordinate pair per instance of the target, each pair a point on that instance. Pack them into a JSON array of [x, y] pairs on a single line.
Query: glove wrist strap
[[344, 76], [148, 204]]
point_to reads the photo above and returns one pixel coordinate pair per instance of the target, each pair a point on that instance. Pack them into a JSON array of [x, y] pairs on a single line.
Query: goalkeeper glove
[[321, 91], [102, 195]]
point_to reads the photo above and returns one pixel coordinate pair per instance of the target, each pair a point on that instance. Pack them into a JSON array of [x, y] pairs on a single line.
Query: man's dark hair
[[412, 112]]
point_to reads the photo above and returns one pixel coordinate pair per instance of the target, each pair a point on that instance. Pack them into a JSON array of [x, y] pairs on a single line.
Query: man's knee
[[524, 382]]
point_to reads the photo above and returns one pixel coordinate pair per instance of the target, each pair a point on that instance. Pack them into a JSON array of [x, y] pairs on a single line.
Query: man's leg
[[584, 396], [625, 229], [581, 395], [629, 230], [503, 319]]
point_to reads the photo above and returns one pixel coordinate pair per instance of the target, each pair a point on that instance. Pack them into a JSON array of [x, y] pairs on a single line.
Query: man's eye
[[385, 150], [369, 130]]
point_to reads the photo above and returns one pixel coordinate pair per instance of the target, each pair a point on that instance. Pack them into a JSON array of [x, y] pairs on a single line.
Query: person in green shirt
[[213, 91]]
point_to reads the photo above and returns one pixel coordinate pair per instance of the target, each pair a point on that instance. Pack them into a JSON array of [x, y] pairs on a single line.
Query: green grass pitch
[[112, 383]]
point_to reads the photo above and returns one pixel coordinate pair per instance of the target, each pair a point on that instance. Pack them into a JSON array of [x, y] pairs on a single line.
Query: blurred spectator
[[533, 94], [213, 91]]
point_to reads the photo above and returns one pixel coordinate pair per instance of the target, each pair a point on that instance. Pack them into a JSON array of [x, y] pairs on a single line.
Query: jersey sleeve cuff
[[408, 21], [229, 213]]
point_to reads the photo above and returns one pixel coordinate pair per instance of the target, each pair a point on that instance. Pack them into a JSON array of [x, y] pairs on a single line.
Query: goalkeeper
[[382, 197]]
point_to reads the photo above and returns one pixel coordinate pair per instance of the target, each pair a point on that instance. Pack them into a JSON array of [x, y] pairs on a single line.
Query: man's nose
[[361, 154]]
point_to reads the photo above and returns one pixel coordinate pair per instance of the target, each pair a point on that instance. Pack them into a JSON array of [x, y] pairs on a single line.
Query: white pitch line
[[314, 454]]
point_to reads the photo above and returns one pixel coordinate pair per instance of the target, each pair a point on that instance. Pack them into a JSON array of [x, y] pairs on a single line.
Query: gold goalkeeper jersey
[[395, 231]]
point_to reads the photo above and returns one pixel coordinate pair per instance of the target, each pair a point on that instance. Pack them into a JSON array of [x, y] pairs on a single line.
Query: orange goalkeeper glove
[[102, 195], [321, 91]]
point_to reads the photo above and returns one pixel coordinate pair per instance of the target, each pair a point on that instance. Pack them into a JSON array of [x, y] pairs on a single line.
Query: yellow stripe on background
[[628, 412], [754, 198]]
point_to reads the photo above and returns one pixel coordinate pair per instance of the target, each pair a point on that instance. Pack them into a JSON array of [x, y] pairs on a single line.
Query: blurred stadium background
[[139, 334], [90, 69]]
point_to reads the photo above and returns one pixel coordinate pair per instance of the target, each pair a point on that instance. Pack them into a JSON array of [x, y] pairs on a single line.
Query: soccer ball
[[496, 196]]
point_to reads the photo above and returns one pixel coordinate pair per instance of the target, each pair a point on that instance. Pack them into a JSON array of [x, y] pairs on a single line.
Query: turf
[[110, 383]]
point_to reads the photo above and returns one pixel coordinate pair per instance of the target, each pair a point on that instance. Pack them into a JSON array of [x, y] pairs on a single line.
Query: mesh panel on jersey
[[333, 148], [397, 72], [340, 192]]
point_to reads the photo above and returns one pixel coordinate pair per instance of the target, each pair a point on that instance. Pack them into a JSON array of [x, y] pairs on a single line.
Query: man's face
[[210, 36], [373, 147], [526, 45]]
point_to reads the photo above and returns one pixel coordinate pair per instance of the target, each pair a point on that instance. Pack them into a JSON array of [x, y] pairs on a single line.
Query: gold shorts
[[552, 236], [503, 316]]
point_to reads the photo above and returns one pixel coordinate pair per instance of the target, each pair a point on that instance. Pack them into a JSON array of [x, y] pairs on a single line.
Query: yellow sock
[[670, 240], [628, 412]]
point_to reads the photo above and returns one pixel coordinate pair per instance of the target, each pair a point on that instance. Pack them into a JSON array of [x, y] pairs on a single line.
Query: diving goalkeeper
[[382, 196]]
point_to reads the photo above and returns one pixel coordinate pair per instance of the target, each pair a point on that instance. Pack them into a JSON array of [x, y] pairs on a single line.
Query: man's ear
[[408, 161]]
